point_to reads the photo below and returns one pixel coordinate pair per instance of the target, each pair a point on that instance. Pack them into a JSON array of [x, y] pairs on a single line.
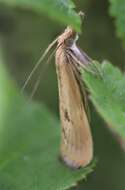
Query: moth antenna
[[35, 87], [41, 75], [38, 63]]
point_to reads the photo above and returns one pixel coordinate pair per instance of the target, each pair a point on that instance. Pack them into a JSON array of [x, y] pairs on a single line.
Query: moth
[[76, 148], [76, 139]]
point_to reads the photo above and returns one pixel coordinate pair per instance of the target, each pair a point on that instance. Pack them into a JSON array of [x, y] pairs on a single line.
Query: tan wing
[[76, 139]]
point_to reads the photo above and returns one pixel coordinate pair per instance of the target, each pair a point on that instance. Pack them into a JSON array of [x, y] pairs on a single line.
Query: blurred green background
[[24, 35]]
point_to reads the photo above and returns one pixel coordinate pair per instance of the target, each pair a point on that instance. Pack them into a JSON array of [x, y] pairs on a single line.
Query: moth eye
[[69, 42]]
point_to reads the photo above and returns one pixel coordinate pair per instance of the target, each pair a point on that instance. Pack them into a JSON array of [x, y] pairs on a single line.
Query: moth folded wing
[[76, 142]]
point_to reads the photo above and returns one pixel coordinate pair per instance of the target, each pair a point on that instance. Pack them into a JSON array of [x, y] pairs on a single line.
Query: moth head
[[68, 37]]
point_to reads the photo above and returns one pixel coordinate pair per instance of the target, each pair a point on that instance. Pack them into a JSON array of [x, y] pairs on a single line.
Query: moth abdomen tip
[[73, 163], [68, 163]]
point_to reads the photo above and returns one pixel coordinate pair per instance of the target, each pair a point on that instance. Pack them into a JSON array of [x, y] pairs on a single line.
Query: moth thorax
[[68, 38]]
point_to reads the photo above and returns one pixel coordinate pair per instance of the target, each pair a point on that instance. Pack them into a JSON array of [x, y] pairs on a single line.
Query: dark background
[[24, 35]]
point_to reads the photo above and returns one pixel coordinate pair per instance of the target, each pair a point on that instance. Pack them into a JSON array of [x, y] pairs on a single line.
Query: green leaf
[[60, 10], [29, 144], [107, 92], [117, 10]]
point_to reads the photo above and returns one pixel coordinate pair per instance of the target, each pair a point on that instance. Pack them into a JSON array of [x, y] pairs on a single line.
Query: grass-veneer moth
[[76, 139]]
